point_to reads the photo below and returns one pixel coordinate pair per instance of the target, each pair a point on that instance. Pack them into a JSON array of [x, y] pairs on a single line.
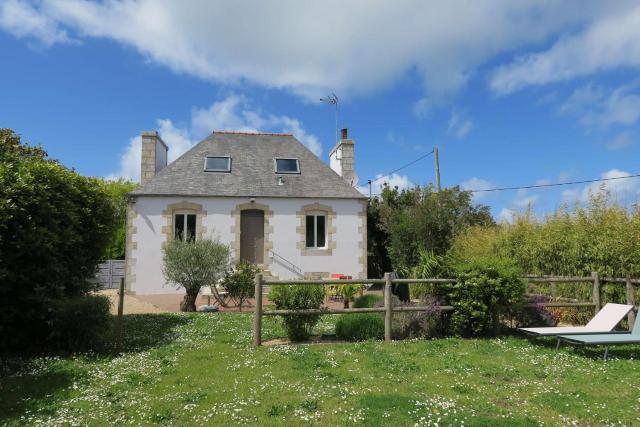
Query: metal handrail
[[288, 264]]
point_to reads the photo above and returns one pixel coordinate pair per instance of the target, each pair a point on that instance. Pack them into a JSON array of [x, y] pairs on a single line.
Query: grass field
[[201, 369]]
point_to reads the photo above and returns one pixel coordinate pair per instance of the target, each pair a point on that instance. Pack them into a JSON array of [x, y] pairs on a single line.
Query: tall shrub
[[194, 264], [239, 282], [297, 297], [54, 227], [484, 290]]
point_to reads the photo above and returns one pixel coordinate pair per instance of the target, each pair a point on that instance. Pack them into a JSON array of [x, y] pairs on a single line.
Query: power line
[[526, 187], [401, 167], [558, 184]]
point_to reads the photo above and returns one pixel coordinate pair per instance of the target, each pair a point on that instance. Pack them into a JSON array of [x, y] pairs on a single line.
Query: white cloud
[[231, 113], [506, 215], [570, 196], [623, 190], [22, 20], [523, 199], [397, 140], [565, 175], [619, 189], [597, 107], [622, 140], [477, 184], [393, 180], [308, 48], [459, 125], [612, 41]]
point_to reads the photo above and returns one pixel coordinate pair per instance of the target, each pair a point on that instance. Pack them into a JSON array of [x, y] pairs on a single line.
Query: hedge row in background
[[602, 237]]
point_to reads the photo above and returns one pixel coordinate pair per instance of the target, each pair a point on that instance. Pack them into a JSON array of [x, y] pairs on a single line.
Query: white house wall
[[346, 256]]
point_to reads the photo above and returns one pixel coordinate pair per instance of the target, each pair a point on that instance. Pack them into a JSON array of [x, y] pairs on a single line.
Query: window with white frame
[[316, 230], [184, 226], [217, 164]]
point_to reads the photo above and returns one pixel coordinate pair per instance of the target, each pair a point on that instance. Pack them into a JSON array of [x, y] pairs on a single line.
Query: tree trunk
[[189, 301], [346, 303]]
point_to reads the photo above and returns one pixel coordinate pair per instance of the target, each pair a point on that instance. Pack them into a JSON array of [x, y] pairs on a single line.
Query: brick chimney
[[342, 158], [154, 156]]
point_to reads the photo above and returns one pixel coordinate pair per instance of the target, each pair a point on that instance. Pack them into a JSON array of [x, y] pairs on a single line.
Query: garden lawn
[[198, 369]]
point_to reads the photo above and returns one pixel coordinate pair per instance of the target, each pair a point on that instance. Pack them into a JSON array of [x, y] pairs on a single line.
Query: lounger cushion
[[603, 322], [567, 330]]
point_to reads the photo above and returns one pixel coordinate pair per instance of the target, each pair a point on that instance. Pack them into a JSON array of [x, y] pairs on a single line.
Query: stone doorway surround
[[268, 229]]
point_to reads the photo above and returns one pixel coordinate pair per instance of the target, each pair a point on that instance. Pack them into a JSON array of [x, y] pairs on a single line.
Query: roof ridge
[[235, 132]]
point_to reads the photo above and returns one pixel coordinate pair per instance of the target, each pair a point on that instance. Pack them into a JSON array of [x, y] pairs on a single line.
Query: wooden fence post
[[257, 333], [119, 318], [631, 299], [388, 314], [596, 290]]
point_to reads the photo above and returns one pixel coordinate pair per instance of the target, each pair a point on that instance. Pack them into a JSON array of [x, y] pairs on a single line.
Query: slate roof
[[252, 170]]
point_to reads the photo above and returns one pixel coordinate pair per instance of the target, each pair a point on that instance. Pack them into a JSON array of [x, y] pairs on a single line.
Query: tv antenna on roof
[[332, 100]]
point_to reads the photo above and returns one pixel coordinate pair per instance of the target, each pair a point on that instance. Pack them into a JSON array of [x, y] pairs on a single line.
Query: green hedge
[[485, 289], [291, 297], [360, 327], [80, 324], [367, 301], [54, 228]]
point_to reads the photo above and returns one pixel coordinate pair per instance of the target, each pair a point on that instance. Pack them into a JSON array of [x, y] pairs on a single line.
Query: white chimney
[[342, 158], [154, 156]]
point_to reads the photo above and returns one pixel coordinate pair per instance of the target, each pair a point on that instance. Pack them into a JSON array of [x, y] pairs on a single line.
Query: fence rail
[[389, 309]]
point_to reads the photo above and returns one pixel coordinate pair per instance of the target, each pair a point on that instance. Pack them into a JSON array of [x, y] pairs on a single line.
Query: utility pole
[[437, 161], [369, 182]]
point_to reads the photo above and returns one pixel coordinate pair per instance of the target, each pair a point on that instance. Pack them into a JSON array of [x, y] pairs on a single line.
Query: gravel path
[[132, 305]]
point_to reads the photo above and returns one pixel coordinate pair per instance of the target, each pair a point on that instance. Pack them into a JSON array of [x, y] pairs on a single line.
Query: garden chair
[[602, 323], [219, 294], [607, 340]]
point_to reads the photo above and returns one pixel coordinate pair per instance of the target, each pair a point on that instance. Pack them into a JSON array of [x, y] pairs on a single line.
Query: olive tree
[[194, 264]]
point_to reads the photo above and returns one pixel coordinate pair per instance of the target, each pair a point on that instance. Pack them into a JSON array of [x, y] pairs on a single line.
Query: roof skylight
[[287, 165], [217, 164]]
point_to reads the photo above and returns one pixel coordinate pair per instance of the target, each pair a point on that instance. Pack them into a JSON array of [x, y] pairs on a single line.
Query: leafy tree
[[118, 191], [378, 261], [411, 221], [192, 264], [54, 227], [239, 282]]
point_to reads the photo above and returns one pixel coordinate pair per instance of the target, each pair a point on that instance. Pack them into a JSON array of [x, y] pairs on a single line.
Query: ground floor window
[[316, 230], [184, 226]]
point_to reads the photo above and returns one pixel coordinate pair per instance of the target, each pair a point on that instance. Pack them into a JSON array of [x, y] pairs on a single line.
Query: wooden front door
[[252, 236]]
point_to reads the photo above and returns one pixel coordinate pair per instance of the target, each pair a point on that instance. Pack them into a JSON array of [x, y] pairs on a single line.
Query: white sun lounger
[[602, 323]]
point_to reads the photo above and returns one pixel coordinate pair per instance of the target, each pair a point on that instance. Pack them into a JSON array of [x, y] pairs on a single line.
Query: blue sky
[[513, 93]]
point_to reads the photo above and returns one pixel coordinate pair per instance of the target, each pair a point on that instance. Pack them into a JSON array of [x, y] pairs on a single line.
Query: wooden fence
[[110, 273], [389, 309]]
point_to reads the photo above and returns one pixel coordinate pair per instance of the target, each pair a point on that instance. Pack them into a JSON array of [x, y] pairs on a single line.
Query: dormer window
[[287, 165], [217, 164]]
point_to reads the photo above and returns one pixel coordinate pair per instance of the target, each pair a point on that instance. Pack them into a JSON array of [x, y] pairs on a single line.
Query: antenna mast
[[332, 100]]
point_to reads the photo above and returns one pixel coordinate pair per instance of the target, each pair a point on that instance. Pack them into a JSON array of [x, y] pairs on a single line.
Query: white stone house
[[267, 196]]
